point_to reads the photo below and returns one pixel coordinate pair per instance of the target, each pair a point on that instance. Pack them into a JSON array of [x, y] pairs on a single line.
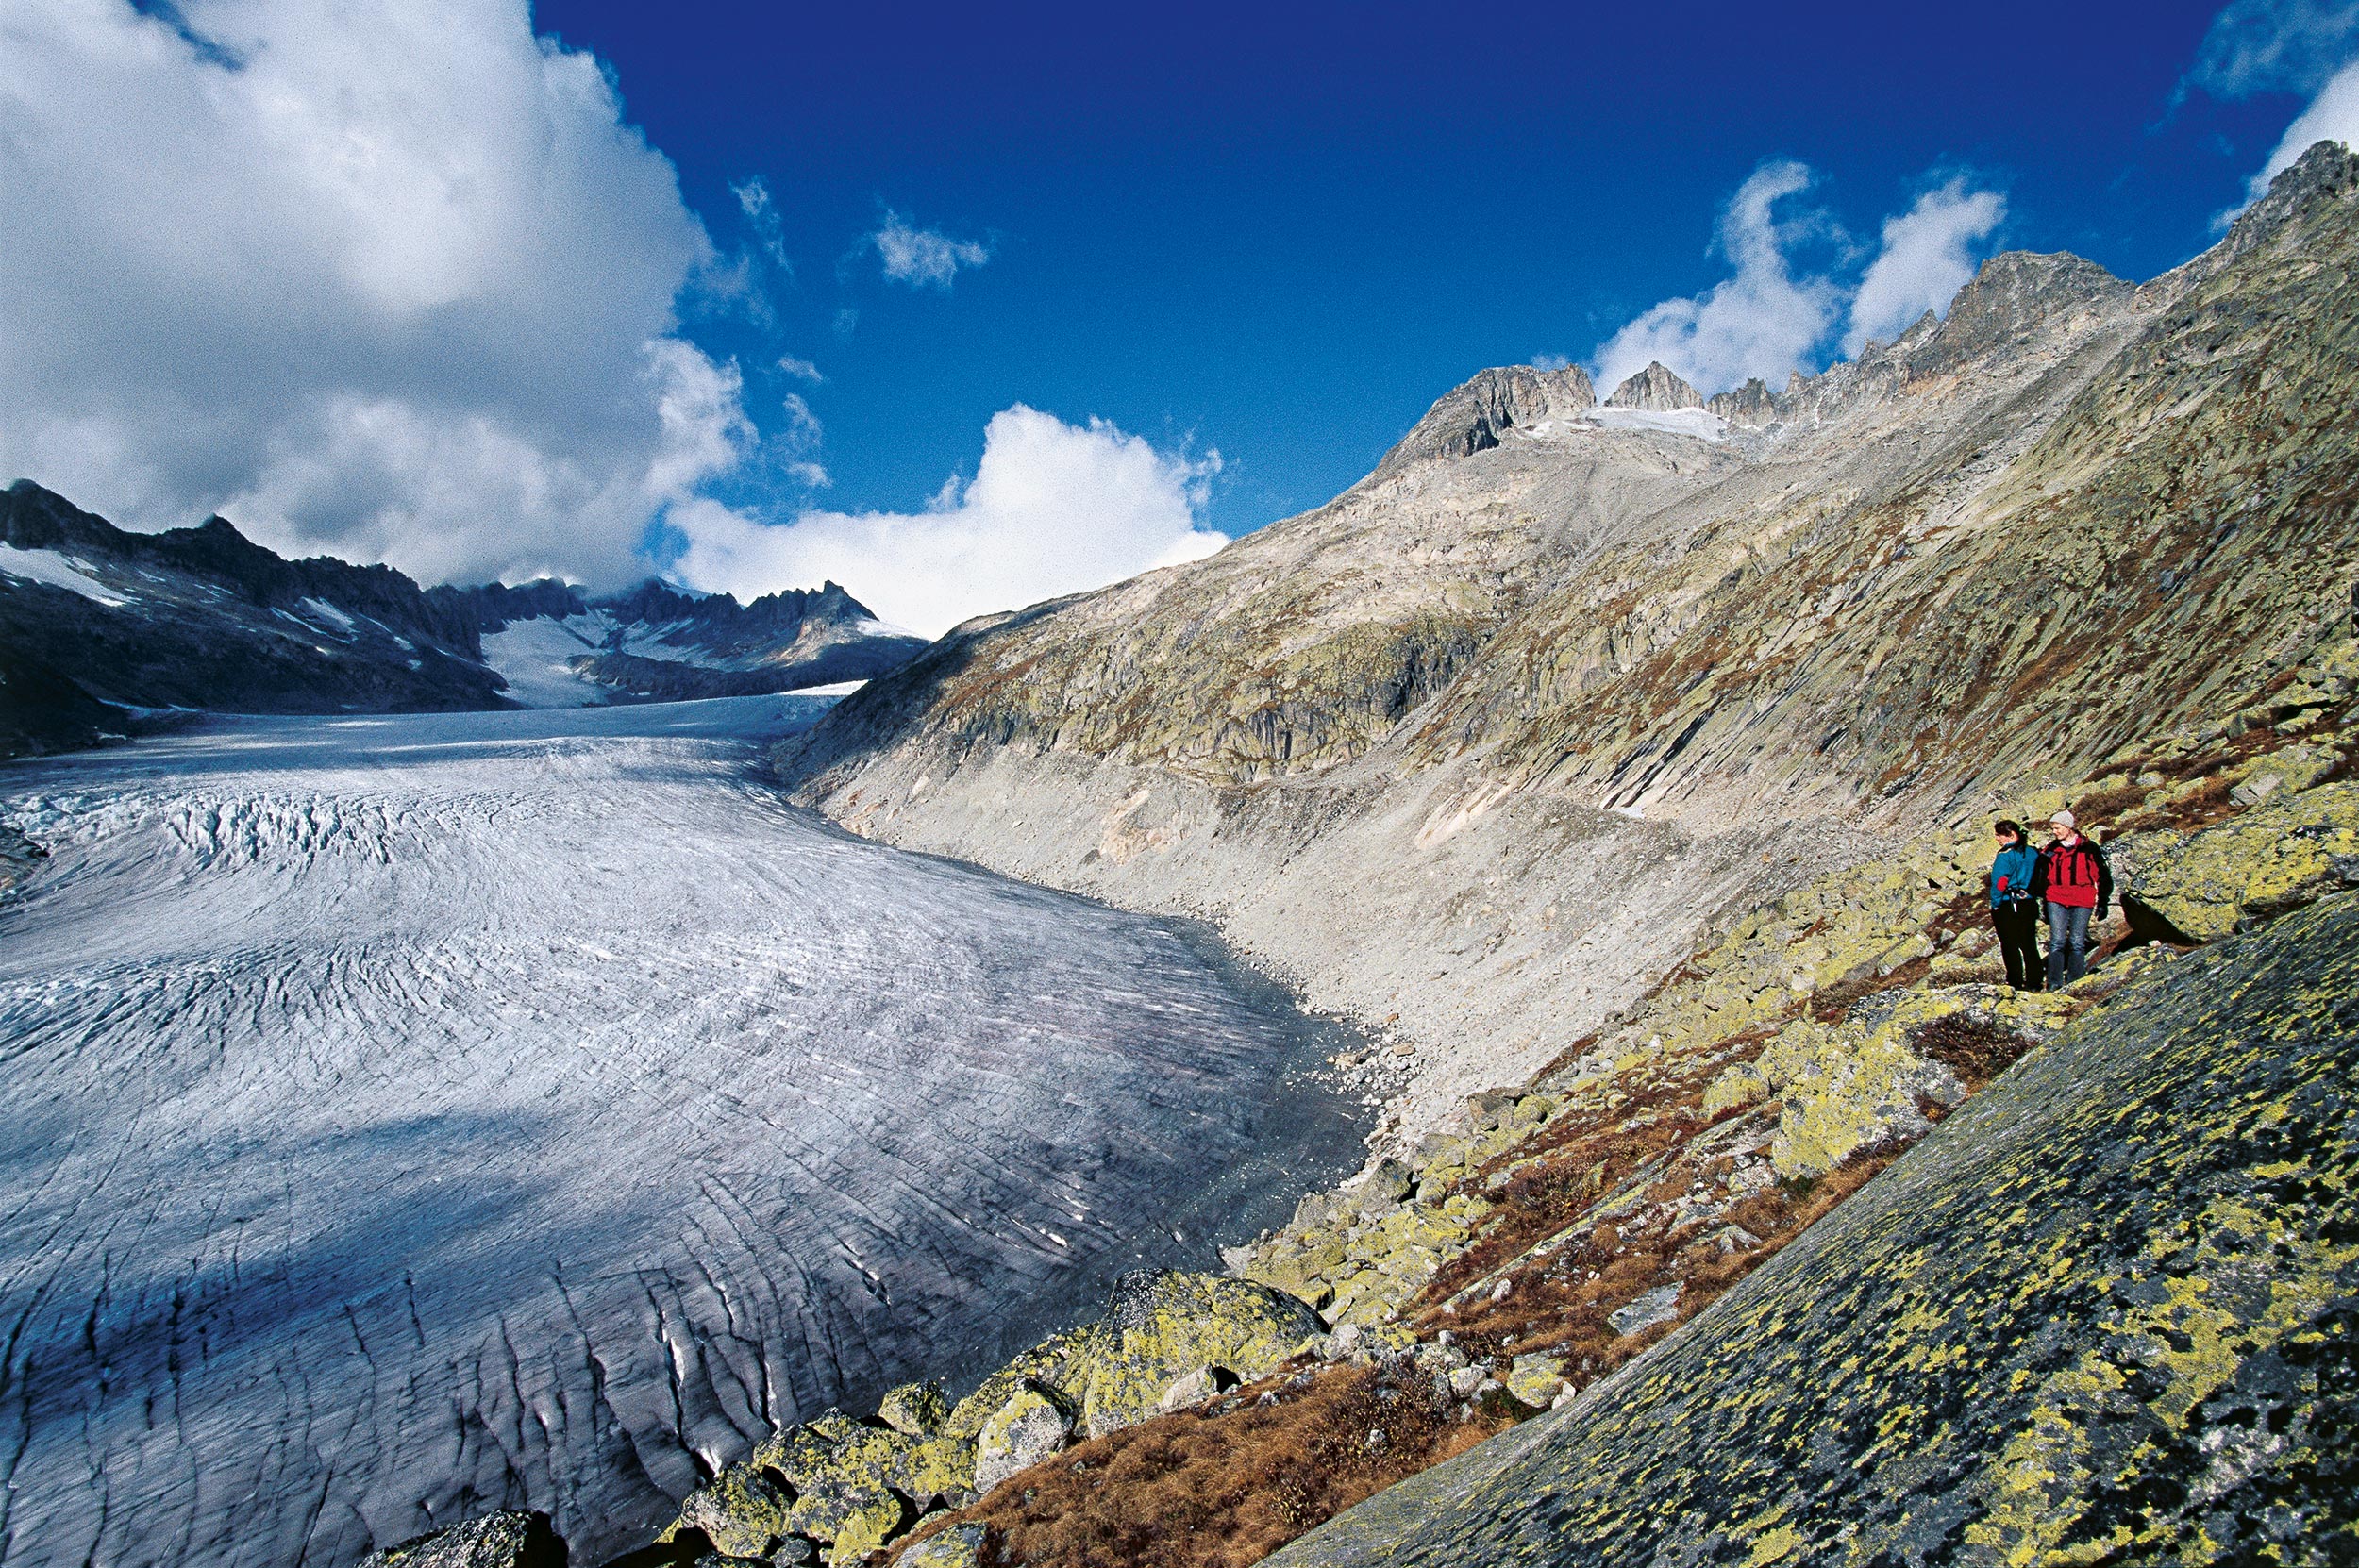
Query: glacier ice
[[401, 1117]]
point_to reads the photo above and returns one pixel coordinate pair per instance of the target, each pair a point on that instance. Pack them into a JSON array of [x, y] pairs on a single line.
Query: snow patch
[[1700, 423], [54, 569], [535, 658]]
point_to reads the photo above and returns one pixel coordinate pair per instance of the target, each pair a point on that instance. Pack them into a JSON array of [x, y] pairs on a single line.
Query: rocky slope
[[96, 624], [1477, 751]]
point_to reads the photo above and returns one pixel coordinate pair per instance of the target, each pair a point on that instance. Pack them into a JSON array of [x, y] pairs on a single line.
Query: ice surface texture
[[401, 1117]]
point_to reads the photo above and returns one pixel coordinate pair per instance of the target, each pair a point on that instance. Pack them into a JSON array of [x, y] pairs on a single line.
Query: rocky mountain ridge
[[1473, 752], [97, 622]]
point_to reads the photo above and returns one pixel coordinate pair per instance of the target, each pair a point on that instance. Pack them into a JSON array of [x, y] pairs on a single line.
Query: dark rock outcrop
[[504, 1539]]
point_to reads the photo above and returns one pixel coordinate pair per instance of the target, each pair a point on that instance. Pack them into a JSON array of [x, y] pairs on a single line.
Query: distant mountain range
[[97, 624]]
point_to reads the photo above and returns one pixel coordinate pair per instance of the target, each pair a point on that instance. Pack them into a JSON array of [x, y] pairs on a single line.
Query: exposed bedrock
[[1482, 747], [2109, 1310]]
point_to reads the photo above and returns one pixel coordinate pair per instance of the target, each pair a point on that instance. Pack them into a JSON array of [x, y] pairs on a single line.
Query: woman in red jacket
[[2077, 886]]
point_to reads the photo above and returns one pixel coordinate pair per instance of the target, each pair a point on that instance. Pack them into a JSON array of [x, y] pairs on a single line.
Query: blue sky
[[1280, 232], [965, 308]]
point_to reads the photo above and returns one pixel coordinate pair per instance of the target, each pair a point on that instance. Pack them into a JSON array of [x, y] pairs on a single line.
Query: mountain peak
[[1656, 389], [1468, 418]]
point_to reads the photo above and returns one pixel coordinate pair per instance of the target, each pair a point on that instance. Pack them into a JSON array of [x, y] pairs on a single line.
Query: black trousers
[[2018, 940]]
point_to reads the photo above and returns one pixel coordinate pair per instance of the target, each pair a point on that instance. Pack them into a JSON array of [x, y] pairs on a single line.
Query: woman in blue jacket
[[2012, 910]]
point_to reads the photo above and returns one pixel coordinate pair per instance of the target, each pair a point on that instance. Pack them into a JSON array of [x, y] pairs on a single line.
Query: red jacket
[[2074, 874]]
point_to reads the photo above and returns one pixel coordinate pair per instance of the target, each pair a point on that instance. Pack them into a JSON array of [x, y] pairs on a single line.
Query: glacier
[[405, 1116]]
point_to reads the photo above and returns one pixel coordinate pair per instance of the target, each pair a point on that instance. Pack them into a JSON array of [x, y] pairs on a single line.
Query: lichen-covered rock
[[2109, 1310], [915, 1409], [871, 1520], [834, 1505], [741, 1511], [1535, 1379], [1058, 1365], [504, 1539], [2284, 854], [1161, 1324], [956, 1546], [939, 1469], [1860, 1085], [1022, 1432]]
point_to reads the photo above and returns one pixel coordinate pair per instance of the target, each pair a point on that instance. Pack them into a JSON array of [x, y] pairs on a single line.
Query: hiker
[[2014, 912], [2077, 886]]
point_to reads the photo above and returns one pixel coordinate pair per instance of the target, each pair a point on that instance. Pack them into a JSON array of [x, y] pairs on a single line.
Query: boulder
[[508, 1538], [741, 1511], [1161, 1324], [1058, 1364], [1193, 1390], [1660, 1305], [1383, 1187], [2290, 850], [916, 1409], [835, 1509], [1861, 1085], [1021, 1433], [958, 1547], [939, 1470], [1536, 1379]]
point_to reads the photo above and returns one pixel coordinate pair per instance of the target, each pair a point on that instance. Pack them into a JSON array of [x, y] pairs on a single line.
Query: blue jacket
[[2015, 865]]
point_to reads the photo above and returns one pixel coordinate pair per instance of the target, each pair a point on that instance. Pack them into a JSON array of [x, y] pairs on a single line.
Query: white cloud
[[923, 258], [1769, 319], [2308, 46], [802, 370], [1763, 321], [2276, 45], [2333, 116], [1053, 508], [762, 216], [1928, 256], [387, 279]]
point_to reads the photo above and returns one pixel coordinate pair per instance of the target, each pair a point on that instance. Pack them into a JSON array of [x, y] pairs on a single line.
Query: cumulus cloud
[[1928, 256], [802, 370], [923, 258], [389, 281], [1053, 508], [1761, 320], [1770, 317]]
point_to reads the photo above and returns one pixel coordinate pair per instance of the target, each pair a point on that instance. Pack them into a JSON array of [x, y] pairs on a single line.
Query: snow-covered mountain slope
[[204, 618], [404, 1115], [556, 647]]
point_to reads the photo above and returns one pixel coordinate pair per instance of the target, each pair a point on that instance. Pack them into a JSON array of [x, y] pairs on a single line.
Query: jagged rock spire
[[1656, 389]]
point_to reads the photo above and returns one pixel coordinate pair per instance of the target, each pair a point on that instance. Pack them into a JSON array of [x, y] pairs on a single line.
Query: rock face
[[2106, 1308], [1481, 746], [1657, 391], [1471, 418]]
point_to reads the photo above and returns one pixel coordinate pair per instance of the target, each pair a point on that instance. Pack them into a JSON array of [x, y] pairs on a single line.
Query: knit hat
[[2062, 819]]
